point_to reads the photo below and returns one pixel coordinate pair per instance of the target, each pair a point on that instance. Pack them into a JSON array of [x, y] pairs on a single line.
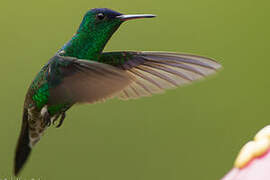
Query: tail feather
[[23, 148]]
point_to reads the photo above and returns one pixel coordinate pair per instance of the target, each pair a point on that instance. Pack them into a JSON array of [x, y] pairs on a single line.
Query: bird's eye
[[100, 16]]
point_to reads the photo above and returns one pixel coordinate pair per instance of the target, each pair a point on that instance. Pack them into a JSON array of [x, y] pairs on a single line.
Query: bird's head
[[106, 21], [96, 28]]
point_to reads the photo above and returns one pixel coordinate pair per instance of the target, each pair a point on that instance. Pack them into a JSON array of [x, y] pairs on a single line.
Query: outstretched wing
[[80, 81], [156, 71]]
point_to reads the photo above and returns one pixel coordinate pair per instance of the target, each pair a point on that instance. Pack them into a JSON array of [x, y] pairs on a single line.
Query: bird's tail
[[23, 146]]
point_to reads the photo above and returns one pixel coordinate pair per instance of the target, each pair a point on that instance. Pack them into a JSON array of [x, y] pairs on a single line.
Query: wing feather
[[81, 81], [155, 72], [129, 75]]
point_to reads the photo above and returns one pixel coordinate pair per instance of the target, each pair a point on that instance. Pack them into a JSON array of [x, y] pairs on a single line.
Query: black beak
[[134, 16]]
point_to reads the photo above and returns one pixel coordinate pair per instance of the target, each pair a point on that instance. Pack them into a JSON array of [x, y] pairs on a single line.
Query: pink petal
[[257, 169]]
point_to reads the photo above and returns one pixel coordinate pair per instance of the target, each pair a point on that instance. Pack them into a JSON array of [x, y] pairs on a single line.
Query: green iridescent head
[[96, 28], [100, 21], [106, 20]]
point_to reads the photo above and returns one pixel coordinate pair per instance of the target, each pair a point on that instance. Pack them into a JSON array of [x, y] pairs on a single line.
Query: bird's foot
[[63, 115], [47, 119]]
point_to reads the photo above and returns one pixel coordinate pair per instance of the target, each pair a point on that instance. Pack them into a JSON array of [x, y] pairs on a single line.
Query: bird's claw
[[63, 116], [53, 122]]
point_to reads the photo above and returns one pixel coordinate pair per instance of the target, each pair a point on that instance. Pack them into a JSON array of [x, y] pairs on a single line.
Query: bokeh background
[[189, 133]]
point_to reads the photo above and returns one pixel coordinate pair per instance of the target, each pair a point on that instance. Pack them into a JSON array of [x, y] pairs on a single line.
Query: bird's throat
[[85, 46]]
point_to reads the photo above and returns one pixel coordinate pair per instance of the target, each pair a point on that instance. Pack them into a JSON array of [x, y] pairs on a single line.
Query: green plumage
[[41, 96], [91, 37], [80, 72], [116, 58]]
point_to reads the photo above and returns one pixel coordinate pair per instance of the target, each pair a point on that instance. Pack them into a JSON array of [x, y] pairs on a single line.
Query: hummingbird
[[80, 72]]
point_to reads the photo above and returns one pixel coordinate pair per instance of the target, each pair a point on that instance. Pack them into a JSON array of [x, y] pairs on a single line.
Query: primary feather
[[154, 72]]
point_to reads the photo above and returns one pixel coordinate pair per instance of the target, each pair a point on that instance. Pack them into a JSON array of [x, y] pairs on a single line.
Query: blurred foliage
[[188, 133]]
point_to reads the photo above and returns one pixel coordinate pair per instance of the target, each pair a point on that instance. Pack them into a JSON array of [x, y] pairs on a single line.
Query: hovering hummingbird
[[80, 72]]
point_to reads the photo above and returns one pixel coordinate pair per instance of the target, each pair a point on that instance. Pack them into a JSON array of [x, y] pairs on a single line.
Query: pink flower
[[253, 161]]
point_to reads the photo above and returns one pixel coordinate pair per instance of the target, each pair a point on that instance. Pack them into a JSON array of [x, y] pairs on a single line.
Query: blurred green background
[[189, 133]]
